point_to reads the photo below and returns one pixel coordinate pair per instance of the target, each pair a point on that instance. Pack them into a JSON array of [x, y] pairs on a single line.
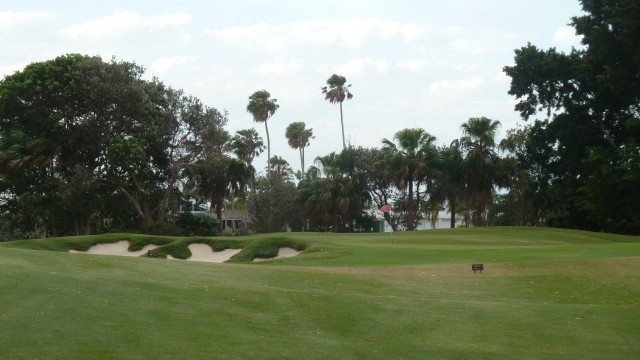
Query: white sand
[[120, 248], [284, 252], [204, 252], [199, 252]]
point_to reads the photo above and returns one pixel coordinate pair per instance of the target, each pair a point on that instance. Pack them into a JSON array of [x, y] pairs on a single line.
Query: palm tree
[[331, 194], [479, 164], [407, 163], [450, 181], [298, 138], [262, 107], [337, 92], [247, 144]]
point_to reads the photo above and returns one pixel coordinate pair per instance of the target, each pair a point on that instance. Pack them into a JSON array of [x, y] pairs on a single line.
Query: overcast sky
[[423, 63]]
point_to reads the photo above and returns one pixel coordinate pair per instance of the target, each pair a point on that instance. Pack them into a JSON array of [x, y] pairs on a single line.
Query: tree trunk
[[335, 217], [410, 213], [344, 144], [219, 200], [452, 208], [268, 148]]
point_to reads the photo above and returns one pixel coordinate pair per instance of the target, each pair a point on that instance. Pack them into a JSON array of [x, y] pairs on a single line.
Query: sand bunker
[[204, 252], [199, 252], [284, 252], [120, 248]]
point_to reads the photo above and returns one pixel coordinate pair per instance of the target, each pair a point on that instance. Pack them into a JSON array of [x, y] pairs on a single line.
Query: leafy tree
[[408, 163], [524, 204], [588, 143], [262, 108], [76, 125], [280, 167], [217, 177], [298, 137], [336, 92], [55, 118], [378, 182], [271, 201]]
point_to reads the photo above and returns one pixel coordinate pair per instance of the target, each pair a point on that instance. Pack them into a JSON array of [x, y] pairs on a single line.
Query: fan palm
[[298, 137], [407, 163], [479, 164], [337, 92], [262, 107], [247, 144]]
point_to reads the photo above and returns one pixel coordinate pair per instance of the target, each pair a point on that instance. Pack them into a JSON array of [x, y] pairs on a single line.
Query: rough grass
[[545, 294]]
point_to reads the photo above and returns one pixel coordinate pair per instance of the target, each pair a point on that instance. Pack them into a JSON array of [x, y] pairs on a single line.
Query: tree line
[[88, 146]]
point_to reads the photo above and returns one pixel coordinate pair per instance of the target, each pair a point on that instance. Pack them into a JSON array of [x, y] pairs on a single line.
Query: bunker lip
[[204, 253], [120, 248], [284, 252]]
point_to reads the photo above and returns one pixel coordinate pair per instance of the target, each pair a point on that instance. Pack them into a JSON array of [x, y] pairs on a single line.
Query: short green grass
[[544, 294]]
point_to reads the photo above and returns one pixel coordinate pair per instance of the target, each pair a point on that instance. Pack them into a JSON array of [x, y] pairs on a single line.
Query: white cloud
[[412, 33], [452, 87], [566, 37], [351, 33], [11, 18], [121, 22], [479, 40], [412, 65], [164, 65], [358, 66], [280, 68], [253, 32]]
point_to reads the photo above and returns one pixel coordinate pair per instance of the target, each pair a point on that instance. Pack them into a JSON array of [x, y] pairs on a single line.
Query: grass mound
[[268, 247]]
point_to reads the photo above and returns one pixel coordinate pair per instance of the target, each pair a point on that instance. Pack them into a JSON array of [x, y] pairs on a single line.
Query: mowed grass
[[544, 294]]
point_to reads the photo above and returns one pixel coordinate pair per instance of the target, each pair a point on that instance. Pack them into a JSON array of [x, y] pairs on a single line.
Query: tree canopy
[[77, 132], [586, 148]]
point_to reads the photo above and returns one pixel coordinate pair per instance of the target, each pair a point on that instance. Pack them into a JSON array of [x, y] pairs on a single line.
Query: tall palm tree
[[298, 137], [408, 163], [337, 92], [479, 164], [247, 144], [262, 107]]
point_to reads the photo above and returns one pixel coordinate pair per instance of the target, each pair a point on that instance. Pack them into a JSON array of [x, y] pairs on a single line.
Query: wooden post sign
[[477, 267]]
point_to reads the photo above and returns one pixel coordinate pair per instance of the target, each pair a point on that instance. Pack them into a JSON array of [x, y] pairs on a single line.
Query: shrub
[[162, 228], [197, 225]]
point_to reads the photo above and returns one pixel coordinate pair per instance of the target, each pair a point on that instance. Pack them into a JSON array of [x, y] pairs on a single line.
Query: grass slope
[[545, 294]]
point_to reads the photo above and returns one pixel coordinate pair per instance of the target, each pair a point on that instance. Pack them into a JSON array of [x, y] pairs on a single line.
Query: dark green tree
[[588, 144], [218, 177], [409, 163], [77, 127], [247, 144], [480, 165], [272, 206], [332, 194]]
